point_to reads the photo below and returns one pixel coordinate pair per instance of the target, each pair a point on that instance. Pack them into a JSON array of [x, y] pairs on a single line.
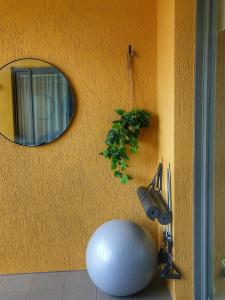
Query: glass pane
[[219, 160]]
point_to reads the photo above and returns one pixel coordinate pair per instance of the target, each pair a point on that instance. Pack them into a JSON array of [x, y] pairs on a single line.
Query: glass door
[[219, 160], [209, 269]]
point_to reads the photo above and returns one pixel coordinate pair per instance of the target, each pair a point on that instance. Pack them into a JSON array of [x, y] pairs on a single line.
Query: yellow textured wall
[[165, 92], [6, 95], [175, 90], [183, 145], [53, 197], [6, 105]]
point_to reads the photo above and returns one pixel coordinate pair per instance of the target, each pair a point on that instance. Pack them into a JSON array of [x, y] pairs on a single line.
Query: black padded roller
[[165, 216], [148, 202]]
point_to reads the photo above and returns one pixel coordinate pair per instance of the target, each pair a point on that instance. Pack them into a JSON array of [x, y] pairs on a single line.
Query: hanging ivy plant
[[123, 138]]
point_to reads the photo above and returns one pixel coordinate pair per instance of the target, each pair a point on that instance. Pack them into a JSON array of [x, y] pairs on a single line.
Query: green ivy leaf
[[134, 149], [114, 163], [116, 126], [124, 136], [105, 153], [133, 141], [123, 165], [120, 111], [117, 174], [125, 178]]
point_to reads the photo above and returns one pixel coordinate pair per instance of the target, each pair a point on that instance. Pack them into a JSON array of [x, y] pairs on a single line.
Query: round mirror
[[36, 102]]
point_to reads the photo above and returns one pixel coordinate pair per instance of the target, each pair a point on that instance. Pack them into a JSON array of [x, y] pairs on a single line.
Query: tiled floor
[[74, 285]]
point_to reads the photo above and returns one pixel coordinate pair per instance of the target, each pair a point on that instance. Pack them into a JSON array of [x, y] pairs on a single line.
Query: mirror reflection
[[36, 102]]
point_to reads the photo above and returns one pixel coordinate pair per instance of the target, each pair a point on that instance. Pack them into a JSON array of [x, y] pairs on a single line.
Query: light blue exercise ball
[[121, 258]]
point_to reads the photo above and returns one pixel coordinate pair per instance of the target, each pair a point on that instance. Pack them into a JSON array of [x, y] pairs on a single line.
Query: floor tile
[[44, 295], [10, 295], [155, 290], [80, 293], [103, 296], [20, 282], [48, 281], [78, 279], [74, 285]]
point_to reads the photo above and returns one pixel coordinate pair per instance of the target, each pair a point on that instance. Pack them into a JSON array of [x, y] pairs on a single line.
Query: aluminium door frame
[[205, 64]]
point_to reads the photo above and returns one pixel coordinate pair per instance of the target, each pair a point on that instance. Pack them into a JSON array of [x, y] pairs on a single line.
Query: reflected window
[[43, 104]]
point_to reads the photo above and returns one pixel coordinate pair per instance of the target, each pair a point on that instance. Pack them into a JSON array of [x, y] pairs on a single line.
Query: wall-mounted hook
[[130, 56]]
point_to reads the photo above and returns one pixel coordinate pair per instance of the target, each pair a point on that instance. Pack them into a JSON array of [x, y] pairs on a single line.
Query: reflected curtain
[[43, 105]]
